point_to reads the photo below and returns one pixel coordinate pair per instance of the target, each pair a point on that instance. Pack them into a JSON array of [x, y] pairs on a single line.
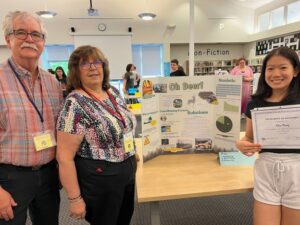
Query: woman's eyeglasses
[[85, 65]]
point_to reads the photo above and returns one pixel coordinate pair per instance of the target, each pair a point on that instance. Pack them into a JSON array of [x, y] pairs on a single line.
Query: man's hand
[[6, 204]]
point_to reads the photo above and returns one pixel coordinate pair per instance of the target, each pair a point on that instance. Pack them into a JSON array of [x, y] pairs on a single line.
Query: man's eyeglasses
[[22, 35], [85, 65]]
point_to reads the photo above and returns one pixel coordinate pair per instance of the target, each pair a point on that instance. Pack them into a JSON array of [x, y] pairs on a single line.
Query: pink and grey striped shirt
[[19, 121]]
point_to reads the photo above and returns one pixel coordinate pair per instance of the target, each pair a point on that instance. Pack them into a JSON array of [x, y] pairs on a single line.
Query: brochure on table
[[191, 115]]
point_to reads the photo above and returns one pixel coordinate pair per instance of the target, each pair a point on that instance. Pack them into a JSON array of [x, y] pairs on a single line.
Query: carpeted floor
[[218, 210]]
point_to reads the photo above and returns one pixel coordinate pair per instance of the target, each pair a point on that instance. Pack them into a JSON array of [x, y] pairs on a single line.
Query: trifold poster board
[[190, 114]]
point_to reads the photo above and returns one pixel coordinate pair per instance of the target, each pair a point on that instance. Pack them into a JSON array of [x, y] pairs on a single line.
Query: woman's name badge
[[44, 140], [128, 142]]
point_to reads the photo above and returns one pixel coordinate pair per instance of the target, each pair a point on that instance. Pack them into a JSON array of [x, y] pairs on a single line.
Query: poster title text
[[185, 86]]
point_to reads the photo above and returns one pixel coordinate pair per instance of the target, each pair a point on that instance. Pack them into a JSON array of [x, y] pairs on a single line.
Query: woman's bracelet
[[73, 199]]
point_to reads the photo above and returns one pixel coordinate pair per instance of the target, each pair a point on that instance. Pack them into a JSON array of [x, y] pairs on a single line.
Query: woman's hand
[[247, 78], [248, 148], [77, 209]]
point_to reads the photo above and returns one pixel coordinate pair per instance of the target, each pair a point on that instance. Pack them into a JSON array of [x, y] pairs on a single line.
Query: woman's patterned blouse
[[102, 131]]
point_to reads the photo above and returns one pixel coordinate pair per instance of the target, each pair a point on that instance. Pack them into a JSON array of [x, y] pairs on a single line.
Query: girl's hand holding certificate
[[248, 148]]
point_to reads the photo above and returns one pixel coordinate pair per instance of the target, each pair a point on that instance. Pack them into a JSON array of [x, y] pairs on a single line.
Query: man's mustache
[[29, 45]]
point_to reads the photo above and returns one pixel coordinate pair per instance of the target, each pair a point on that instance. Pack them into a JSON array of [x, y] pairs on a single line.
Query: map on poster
[[190, 114]]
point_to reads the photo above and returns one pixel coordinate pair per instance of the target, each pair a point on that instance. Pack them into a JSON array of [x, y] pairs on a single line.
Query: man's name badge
[[44, 140], [128, 142]]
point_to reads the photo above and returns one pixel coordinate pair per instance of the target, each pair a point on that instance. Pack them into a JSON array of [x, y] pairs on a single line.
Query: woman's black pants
[[107, 189]]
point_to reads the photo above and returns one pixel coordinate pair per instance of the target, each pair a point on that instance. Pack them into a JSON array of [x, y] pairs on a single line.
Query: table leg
[[154, 213]]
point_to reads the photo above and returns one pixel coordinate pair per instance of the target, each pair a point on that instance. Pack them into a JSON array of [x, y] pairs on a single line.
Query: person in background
[[176, 72], [137, 78], [276, 171], [30, 99], [96, 150], [130, 78], [62, 78], [246, 72]]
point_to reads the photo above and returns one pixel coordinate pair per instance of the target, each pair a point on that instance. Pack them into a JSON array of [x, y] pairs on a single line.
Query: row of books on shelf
[[211, 70], [226, 63], [209, 67], [256, 61], [204, 70], [217, 63]]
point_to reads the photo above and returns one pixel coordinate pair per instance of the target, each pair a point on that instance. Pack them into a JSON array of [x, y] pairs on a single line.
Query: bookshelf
[[256, 64], [208, 67]]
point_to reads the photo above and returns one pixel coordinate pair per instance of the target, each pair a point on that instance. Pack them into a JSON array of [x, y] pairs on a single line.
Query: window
[[264, 21], [287, 13], [277, 17], [148, 59], [56, 55], [293, 10]]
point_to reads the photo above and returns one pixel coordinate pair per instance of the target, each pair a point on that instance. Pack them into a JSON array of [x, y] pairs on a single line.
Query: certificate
[[277, 127]]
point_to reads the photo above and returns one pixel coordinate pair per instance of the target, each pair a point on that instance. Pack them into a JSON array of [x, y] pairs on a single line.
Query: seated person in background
[[130, 78], [176, 72]]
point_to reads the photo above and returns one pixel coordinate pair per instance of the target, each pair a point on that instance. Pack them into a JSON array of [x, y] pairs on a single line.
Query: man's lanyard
[[116, 113], [40, 113]]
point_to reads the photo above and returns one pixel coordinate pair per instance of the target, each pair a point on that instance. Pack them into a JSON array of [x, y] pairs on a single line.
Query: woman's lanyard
[[40, 113], [116, 113]]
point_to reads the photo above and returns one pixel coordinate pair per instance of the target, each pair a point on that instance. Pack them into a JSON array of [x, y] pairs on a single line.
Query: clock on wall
[[101, 27]]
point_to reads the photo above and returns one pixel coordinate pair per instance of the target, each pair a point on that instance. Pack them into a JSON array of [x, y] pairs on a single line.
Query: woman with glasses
[[247, 75], [95, 143]]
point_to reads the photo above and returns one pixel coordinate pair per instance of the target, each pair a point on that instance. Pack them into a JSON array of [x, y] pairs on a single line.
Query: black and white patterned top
[[103, 132]]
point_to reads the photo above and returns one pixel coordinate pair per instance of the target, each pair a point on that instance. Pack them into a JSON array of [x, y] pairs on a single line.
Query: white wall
[[249, 50]]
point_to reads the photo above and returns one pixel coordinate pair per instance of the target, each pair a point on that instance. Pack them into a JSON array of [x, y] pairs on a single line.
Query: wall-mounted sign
[[292, 41], [211, 52]]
